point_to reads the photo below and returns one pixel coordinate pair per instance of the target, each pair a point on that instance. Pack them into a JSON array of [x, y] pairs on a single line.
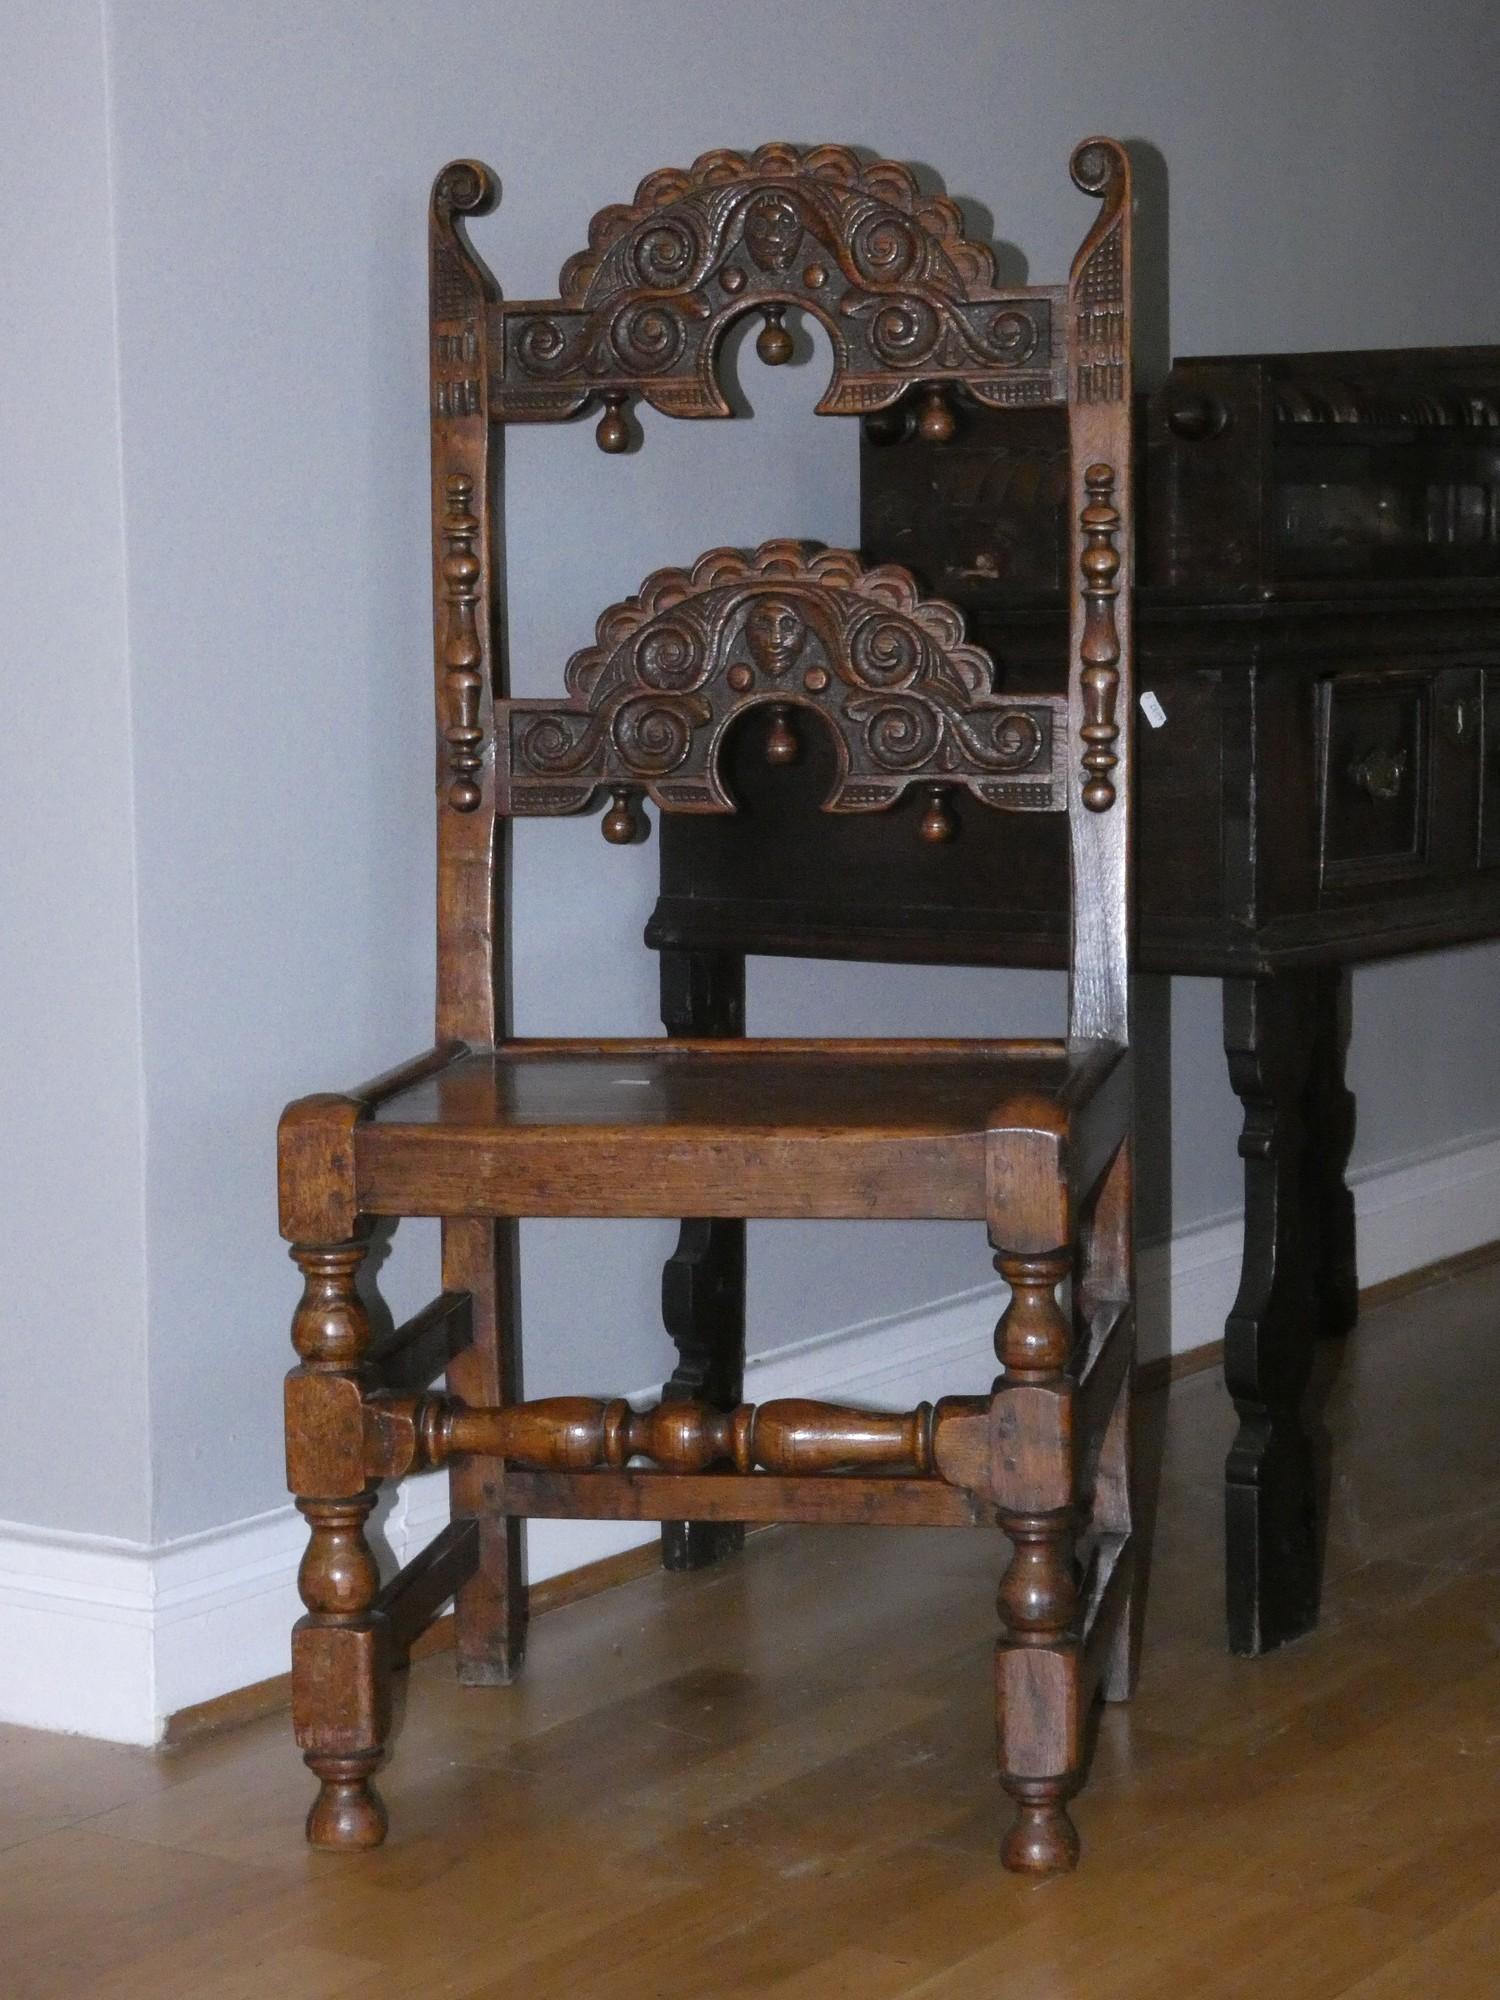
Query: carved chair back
[[918, 325]]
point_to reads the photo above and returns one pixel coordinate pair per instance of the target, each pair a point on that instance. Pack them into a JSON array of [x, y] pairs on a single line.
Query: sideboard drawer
[[1375, 731], [1400, 780]]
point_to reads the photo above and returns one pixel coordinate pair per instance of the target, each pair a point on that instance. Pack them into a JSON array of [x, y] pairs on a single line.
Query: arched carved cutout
[[908, 700], [904, 295]]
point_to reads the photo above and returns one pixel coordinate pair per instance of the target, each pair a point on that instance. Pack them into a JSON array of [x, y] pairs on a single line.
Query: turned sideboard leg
[[703, 1308], [480, 1257], [1038, 1667], [341, 1663], [1328, 1123], [1271, 1486], [703, 1281]]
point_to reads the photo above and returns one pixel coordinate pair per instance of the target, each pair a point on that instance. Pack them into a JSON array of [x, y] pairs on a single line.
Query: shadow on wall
[[1151, 246]]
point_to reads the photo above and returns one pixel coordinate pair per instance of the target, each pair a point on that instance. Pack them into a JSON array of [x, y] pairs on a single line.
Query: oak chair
[[1029, 1138]]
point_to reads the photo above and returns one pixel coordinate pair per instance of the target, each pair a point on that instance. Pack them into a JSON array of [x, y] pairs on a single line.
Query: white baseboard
[[109, 1638]]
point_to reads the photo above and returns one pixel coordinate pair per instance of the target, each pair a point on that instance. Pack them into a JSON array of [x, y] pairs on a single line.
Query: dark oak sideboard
[[1319, 630]]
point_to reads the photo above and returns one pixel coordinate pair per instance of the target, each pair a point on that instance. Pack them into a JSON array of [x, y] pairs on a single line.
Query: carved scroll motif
[[1100, 676], [908, 700], [1097, 290], [904, 295], [463, 656]]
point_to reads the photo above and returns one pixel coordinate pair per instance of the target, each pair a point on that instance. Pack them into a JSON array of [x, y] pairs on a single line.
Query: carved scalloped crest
[[904, 295], [908, 699], [888, 182]]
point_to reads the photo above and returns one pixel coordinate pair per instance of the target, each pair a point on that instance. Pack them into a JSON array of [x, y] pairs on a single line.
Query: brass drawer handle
[[1379, 775]]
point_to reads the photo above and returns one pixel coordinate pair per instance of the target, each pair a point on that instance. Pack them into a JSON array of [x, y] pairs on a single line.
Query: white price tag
[[1152, 709]]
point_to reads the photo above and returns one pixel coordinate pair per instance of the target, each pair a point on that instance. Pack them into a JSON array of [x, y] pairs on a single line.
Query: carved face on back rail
[[775, 634], [773, 230]]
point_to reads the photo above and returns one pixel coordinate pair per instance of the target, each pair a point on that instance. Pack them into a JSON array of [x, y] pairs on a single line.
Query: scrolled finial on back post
[[1098, 286], [1099, 167], [465, 187]]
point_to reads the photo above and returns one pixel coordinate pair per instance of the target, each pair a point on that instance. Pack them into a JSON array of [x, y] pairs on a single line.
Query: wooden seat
[[1029, 1138], [767, 1128]]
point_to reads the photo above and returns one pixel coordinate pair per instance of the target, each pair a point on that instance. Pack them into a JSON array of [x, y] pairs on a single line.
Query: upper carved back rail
[[904, 295], [909, 303]]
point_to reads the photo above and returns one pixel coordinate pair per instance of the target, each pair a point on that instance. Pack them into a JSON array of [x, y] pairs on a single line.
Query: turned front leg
[[341, 1649], [1038, 1667]]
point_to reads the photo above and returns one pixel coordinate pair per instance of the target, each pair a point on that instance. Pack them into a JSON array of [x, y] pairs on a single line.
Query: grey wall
[[270, 163], [72, 1253]]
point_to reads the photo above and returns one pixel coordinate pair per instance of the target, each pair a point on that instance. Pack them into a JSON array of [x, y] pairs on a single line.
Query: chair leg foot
[[491, 1611], [348, 1813], [1041, 1839], [493, 1671]]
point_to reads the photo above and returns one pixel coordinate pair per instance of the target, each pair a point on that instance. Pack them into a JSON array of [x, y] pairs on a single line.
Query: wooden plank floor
[[777, 1780]]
